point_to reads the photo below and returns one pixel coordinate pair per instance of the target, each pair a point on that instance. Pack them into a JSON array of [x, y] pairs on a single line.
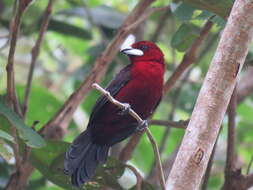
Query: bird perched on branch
[[140, 86]]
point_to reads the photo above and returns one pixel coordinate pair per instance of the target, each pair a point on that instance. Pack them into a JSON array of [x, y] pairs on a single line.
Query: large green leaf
[[184, 37], [30, 137], [49, 161]]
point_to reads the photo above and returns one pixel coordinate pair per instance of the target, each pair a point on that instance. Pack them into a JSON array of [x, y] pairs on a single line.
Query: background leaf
[[30, 137], [184, 37], [49, 161]]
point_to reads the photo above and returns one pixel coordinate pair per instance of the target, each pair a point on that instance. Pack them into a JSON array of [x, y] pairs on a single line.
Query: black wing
[[120, 80]]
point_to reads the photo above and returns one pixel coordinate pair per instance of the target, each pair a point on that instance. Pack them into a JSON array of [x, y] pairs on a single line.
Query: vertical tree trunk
[[211, 105]]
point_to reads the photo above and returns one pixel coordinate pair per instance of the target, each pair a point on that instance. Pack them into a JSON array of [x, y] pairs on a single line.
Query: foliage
[[77, 34]]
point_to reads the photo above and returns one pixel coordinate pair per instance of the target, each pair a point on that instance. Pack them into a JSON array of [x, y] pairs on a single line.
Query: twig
[[189, 57], [138, 176], [35, 53], [230, 161], [158, 159], [250, 164], [64, 115], [19, 177], [181, 124], [161, 25], [127, 152], [10, 26], [11, 91], [209, 168], [139, 120]]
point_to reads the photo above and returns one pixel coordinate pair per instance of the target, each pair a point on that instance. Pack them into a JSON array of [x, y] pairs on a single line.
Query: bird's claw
[[125, 110], [143, 125]]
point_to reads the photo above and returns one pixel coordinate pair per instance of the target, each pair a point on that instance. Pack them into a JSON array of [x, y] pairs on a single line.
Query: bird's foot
[[143, 125], [125, 110]]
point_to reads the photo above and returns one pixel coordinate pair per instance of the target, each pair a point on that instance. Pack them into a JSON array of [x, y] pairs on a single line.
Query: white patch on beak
[[129, 41], [126, 47], [132, 51]]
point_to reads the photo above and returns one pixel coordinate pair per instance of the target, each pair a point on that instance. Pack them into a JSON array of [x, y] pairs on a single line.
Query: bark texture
[[213, 99]]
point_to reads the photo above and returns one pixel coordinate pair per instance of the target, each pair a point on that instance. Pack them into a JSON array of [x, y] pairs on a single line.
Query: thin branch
[[209, 168], [230, 161], [138, 176], [158, 159], [127, 152], [140, 121], [189, 57], [35, 53], [64, 115], [14, 8], [181, 124], [11, 89], [250, 164], [161, 24]]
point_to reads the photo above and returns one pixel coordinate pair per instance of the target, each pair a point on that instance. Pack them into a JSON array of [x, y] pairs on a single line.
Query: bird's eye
[[143, 47]]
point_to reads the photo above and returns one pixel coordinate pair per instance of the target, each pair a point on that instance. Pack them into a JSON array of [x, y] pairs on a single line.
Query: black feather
[[83, 157]]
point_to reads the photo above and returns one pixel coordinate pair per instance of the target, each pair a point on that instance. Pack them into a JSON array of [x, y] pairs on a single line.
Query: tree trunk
[[211, 105]]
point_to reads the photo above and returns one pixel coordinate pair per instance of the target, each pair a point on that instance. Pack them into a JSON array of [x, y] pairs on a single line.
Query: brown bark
[[214, 96]]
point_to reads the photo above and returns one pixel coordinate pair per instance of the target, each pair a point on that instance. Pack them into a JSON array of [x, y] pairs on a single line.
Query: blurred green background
[[78, 32]]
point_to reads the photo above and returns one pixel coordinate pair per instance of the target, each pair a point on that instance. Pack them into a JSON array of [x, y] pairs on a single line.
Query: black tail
[[83, 157]]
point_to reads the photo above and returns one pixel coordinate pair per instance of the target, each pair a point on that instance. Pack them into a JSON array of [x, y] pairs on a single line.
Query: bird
[[139, 85]]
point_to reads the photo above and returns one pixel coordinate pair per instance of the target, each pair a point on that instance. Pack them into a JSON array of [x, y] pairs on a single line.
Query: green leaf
[[4, 151], [219, 7], [30, 137], [182, 11], [49, 161], [184, 37], [219, 21], [6, 136]]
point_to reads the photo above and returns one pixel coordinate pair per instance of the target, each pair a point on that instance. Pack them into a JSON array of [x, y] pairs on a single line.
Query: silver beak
[[132, 51]]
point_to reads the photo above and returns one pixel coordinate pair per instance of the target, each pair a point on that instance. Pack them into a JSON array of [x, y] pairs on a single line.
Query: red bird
[[140, 85]]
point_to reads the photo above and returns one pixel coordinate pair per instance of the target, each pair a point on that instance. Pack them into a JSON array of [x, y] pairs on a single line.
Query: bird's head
[[143, 51]]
